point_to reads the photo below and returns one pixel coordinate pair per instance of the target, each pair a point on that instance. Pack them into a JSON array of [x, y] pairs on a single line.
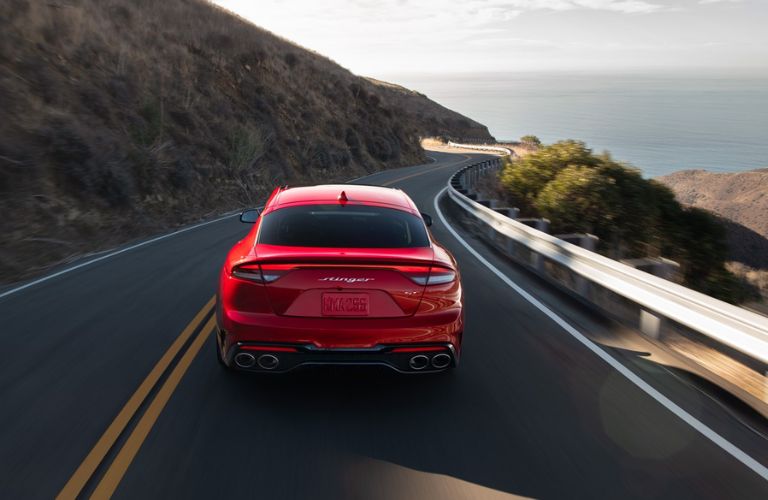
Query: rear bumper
[[442, 327], [281, 358]]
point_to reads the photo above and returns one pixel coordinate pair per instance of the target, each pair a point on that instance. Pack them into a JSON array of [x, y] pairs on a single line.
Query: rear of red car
[[339, 275]]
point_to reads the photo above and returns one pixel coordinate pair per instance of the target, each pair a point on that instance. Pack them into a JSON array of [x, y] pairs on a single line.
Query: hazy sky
[[386, 37]]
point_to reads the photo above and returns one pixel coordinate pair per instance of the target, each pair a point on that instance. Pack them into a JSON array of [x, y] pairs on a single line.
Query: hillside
[[123, 118], [741, 199], [433, 119]]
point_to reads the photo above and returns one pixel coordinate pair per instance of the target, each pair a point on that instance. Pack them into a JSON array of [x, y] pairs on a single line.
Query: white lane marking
[[110, 254], [686, 417]]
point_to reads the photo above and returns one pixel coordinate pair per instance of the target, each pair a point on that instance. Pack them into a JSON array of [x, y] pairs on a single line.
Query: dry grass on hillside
[[125, 117], [757, 278], [740, 198]]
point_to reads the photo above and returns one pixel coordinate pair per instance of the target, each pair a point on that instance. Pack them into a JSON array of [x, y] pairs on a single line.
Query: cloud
[[719, 1], [621, 6], [471, 10], [379, 36]]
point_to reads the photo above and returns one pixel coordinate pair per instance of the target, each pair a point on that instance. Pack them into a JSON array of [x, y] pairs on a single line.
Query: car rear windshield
[[335, 226]]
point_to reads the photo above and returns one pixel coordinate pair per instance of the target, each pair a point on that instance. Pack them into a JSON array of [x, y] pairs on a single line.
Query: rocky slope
[[741, 199], [122, 118]]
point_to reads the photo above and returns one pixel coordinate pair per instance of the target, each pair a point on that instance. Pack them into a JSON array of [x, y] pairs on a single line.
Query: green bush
[[530, 141], [525, 177], [578, 199]]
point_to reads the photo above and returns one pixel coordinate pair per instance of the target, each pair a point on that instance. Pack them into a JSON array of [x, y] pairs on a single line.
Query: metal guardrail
[[481, 147], [658, 299]]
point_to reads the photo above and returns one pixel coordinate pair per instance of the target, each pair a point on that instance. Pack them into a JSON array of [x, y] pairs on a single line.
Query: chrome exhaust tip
[[244, 359], [441, 360], [419, 362], [268, 361]]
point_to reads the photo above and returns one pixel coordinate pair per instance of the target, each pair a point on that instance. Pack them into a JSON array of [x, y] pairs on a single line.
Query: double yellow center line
[[119, 466], [422, 172]]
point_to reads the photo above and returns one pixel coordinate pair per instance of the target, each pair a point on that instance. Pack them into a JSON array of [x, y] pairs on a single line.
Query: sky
[[381, 38]]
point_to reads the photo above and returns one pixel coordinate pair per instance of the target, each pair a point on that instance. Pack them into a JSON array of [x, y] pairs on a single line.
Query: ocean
[[658, 123]]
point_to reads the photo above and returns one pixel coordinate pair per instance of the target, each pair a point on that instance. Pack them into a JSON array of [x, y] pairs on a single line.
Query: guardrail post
[[537, 261], [491, 234], [589, 242], [543, 225], [582, 285], [666, 268], [510, 248], [650, 324]]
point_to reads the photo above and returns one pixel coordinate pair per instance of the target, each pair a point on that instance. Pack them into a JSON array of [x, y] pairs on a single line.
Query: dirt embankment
[[122, 118]]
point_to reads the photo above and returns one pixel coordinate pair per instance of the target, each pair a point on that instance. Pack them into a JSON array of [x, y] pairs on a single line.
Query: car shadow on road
[[420, 431]]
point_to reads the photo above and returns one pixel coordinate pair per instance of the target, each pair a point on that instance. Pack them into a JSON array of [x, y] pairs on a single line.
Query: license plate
[[345, 304]]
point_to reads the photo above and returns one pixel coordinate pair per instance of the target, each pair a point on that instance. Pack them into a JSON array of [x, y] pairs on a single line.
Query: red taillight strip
[[418, 273], [418, 349], [267, 348], [264, 273]]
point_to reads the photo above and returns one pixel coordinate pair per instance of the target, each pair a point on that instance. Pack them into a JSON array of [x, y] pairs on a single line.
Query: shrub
[[524, 177], [148, 129], [114, 183], [291, 59], [352, 140], [579, 199], [530, 141], [245, 146]]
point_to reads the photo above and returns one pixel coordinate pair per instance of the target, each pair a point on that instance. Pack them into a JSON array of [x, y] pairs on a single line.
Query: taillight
[[418, 274], [424, 275], [265, 273], [248, 272], [440, 276], [271, 272]]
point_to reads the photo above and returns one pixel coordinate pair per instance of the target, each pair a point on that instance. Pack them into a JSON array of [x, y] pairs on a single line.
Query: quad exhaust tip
[[419, 362], [244, 360], [441, 360], [268, 361], [265, 361]]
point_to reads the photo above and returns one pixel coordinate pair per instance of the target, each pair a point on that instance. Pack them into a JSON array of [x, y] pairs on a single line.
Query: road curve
[[108, 384]]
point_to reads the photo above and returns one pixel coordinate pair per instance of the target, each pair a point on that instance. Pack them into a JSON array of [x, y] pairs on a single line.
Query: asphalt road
[[92, 401]]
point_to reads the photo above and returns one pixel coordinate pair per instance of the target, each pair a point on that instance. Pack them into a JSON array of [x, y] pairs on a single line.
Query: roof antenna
[[342, 197]]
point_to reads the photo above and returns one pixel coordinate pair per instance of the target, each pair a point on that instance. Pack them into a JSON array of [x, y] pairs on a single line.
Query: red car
[[339, 274]]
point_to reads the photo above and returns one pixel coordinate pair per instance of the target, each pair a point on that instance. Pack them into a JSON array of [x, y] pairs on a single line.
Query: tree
[[578, 199], [609, 200], [530, 141], [524, 177]]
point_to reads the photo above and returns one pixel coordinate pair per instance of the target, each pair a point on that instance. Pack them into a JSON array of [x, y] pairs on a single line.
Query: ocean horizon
[[657, 122]]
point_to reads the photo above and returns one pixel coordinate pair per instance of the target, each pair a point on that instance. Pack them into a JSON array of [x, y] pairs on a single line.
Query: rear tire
[[219, 356]]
